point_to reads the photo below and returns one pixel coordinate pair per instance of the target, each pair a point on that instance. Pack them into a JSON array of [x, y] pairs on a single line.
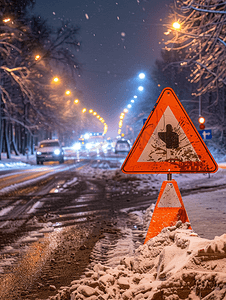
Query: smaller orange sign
[[169, 209]]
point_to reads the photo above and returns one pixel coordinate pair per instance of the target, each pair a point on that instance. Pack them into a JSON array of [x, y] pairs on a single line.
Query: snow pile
[[176, 264]]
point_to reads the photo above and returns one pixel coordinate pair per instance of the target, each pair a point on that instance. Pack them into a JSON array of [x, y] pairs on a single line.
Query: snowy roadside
[[16, 162], [176, 264]]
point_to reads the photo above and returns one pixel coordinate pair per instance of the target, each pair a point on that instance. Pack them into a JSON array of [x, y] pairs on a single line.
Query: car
[[122, 146], [49, 150]]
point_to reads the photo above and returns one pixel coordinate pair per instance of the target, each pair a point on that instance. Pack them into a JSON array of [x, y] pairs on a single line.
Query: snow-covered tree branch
[[202, 34]]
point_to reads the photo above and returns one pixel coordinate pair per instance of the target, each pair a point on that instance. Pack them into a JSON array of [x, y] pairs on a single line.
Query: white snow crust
[[176, 264]]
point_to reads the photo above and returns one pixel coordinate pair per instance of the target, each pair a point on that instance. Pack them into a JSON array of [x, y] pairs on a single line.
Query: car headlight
[[57, 152], [39, 152], [77, 146], [89, 146]]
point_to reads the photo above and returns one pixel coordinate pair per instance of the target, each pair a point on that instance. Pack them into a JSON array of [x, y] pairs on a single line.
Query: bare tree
[[27, 97], [201, 32]]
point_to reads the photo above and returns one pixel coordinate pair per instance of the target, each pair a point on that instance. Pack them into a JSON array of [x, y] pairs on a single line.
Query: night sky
[[119, 39]]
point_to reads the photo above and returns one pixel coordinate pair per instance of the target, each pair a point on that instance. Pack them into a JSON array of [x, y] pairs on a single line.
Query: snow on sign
[[169, 142]]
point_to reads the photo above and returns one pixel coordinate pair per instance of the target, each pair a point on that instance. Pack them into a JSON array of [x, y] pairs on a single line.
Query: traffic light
[[201, 123]]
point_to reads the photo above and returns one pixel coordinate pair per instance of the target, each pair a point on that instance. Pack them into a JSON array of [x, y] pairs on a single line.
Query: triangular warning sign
[[169, 209], [169, 142]]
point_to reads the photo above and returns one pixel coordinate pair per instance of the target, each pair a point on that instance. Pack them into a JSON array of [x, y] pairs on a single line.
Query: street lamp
[[125, 110], [141, 75], [129, 105], [176, 25], [84, 110], [76, 101], [90, 111], [37, 57], [68, 93], [140, 88], [56, 79], [6, 20]]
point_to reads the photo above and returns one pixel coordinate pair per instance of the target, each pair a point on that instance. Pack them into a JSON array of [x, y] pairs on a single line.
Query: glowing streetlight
[[119, 131], [98, 117], [76, 101], [140, 88], [176, 25], [135, 96], [68, 93], [141, 75], [121, 117], [125, 110], [129, 105], [91, 111], [94, 113], [6, 20], [84, 110], [56, 79], [132, 101], [37, 57]]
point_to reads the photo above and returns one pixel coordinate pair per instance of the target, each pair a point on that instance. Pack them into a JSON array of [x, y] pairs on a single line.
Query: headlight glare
[[88, 146], [57, 152], [77, 146]]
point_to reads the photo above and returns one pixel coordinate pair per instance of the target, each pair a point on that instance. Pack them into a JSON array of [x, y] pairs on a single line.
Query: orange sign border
[[206, 164]]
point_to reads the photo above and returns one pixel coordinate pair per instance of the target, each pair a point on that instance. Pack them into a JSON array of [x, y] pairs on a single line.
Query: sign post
[[169, 143]]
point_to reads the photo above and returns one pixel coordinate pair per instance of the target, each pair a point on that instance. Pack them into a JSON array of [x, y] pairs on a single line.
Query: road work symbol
[[169, 137], [169, 142]]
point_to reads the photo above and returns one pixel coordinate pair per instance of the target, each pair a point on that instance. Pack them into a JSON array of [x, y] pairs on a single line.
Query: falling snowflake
[[54, 13], [123, 34], [87, 16], [117, 17]]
